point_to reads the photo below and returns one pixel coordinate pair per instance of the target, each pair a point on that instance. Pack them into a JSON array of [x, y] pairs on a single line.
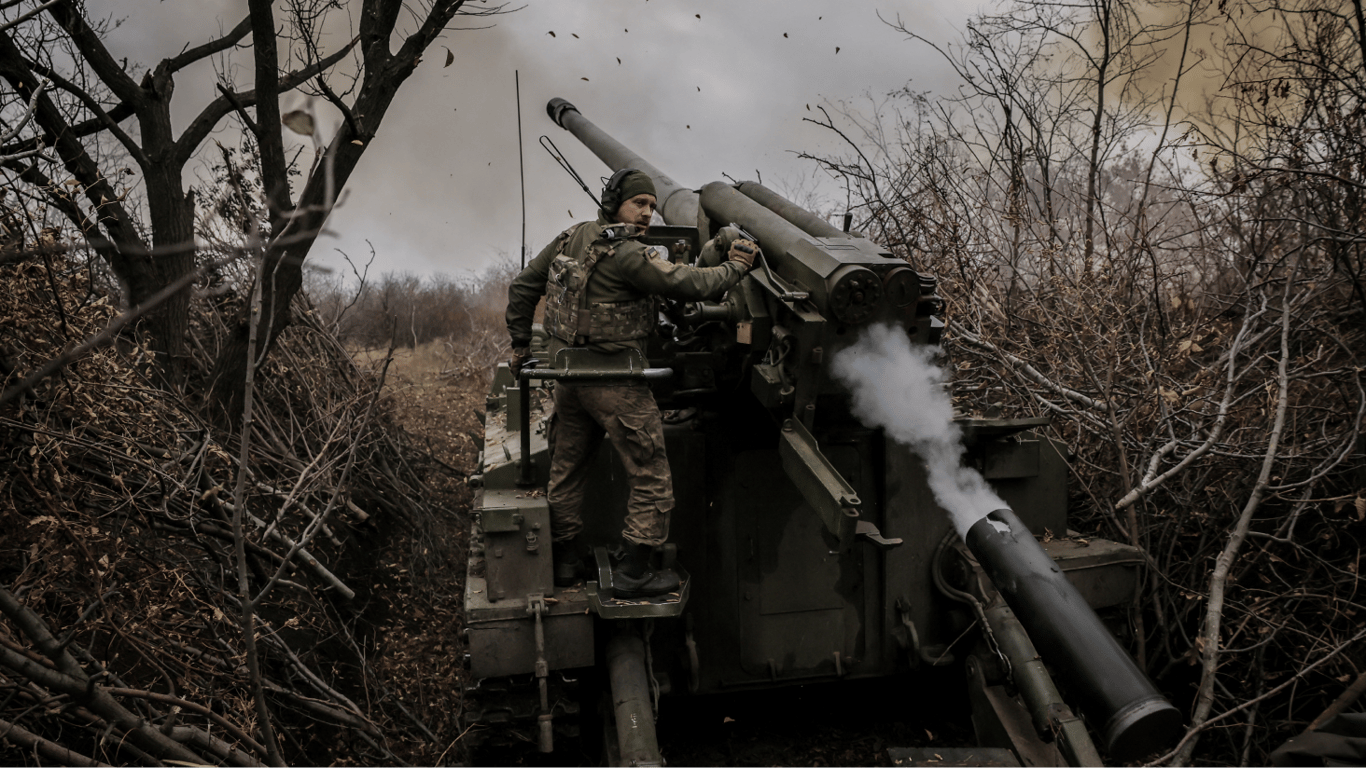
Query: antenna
[[564, 163], [521, 164]]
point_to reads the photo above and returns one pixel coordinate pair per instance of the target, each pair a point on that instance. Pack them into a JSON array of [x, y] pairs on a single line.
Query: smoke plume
[[898, 387]]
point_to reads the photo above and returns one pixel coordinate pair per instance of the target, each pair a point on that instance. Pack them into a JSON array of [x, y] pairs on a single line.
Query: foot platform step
[[603, 603]]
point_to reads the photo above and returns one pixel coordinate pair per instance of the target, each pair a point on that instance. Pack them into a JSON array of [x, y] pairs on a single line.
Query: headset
[[611, 194]]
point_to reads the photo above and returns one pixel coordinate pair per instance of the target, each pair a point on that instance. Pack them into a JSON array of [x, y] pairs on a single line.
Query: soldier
[[599, 280]]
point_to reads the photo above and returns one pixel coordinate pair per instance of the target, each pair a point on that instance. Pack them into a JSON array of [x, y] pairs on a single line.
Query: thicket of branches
[[180, 584], [171, 591], [1172, 271]]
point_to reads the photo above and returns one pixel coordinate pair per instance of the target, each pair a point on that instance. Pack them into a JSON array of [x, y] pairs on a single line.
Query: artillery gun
[[814, 549]]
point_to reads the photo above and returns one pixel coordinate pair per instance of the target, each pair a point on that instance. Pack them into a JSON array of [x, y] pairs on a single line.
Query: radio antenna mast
[[521, 164]]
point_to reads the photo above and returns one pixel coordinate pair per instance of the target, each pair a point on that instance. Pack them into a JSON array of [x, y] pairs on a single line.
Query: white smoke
[[898, 387]]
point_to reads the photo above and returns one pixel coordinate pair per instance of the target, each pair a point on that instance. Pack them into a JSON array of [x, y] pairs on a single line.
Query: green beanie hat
[[632, 183], [636, 183]]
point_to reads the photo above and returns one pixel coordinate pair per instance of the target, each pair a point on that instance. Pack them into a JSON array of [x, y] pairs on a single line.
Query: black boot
[[568, 562], [636, 577]]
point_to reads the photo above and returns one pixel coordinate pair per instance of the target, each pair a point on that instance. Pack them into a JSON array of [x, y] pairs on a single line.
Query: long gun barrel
[[851, 280], [677, 204], [1112, 692]]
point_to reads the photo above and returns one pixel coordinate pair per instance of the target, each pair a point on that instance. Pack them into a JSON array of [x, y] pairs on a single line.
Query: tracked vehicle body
[[811, 547]]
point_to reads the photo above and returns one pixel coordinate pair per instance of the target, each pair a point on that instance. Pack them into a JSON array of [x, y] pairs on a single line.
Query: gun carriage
[[814, 549]]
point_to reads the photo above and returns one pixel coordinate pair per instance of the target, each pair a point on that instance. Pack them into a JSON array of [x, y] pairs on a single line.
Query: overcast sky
[[699, 88]]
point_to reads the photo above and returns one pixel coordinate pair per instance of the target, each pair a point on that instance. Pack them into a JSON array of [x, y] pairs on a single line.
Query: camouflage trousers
[[628, 416]]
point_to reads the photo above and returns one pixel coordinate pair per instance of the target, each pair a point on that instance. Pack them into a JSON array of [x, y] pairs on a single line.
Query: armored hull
[[811, 547]]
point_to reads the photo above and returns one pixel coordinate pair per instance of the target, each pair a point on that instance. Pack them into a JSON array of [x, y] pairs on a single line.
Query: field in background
[[437, 398]]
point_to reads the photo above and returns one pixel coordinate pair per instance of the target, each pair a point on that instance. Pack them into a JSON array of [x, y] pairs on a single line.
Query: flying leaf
[[618, 59], [584, 79], [298, 121], [552, 33], [698, 15], [837, 49], [571, 213], [699, 89], [689, 127], [808, 107], [450, 58], [1188, 347], [576, 37]]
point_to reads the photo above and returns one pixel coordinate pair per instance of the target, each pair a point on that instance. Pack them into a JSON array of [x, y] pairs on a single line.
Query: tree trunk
[[283, 273], [173, 253]]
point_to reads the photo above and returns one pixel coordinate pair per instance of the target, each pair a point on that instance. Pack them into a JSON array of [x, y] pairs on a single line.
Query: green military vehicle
[[810, 546]]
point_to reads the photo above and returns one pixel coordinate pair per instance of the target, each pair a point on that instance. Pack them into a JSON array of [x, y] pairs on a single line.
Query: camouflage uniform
[[624, 274], [630, 418]]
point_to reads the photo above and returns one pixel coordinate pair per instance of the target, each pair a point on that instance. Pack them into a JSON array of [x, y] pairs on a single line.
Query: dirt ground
[[420, 618], [441, 409]]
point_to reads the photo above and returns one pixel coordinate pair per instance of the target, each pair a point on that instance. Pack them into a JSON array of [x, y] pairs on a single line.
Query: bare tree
[[95, 97]]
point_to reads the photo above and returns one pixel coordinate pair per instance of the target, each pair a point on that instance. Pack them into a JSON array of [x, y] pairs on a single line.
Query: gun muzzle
[[1109, 689]]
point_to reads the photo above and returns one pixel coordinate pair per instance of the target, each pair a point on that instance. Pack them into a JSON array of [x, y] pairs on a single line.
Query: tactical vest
[[568, 314]]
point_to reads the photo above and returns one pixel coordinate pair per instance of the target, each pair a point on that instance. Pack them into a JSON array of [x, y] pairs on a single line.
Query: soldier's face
[[637, 210]]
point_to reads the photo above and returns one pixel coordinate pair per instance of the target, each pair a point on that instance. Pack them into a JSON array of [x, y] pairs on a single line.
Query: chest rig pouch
[[568, 314]]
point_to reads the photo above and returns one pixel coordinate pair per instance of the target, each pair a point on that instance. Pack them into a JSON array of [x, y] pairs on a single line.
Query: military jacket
[[569, 314], [626, 271]]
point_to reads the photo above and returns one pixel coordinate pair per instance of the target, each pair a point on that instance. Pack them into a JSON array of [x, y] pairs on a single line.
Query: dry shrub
[[118, 573], [1200, 355]]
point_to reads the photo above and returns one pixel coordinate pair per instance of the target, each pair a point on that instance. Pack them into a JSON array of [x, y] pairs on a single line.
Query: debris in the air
[[298, 121]]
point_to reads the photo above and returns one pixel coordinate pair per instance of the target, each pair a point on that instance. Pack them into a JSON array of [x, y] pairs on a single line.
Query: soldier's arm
[[653, 275], [525, 292]]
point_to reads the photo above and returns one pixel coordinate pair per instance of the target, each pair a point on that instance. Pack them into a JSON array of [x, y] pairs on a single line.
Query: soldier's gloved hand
[[743, 251], [519, 357]]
